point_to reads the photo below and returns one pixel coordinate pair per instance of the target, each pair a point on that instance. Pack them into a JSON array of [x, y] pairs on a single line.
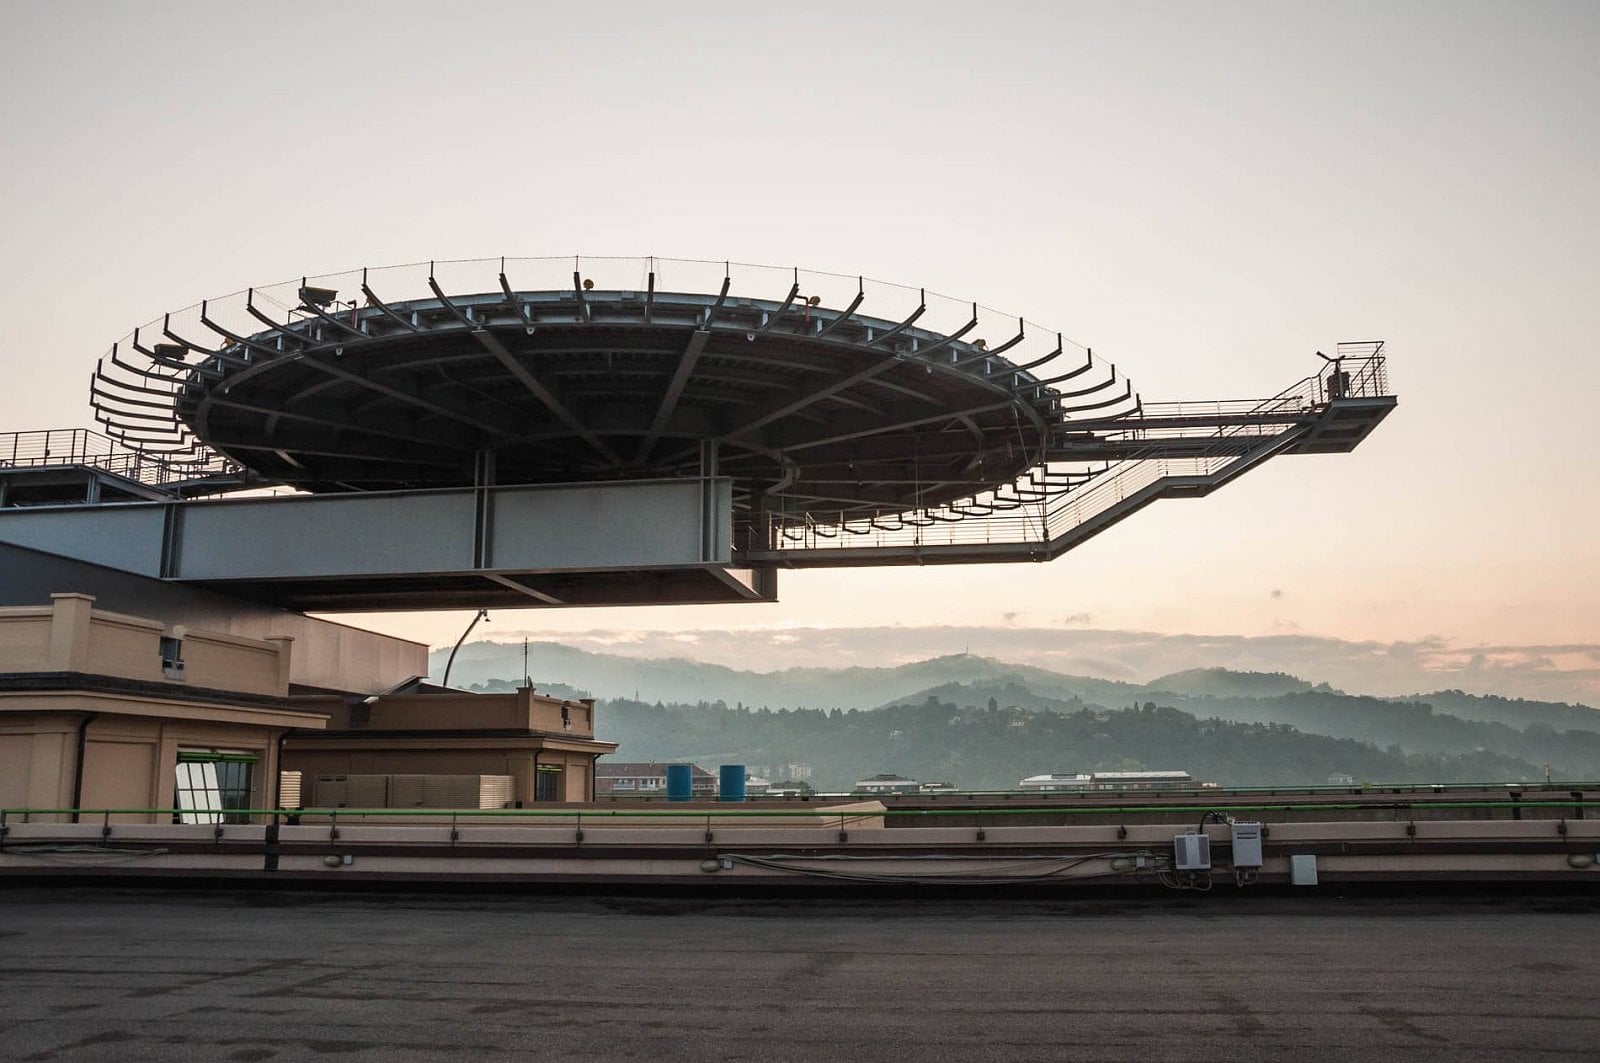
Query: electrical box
[[1303, 869], [1246, 845], [1191, 852]]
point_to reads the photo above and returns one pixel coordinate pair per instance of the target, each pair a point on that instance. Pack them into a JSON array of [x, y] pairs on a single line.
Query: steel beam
[[669, 401]]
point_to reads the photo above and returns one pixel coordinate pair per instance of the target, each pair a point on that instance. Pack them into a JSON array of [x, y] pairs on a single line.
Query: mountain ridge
[[684, 680]]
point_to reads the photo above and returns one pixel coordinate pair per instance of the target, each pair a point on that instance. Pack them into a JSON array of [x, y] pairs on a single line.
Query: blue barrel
[[680, 782], [730, 783]]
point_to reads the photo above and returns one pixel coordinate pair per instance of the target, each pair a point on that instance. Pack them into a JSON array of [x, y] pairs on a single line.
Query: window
[[171, 657], [212, 786], [545, 784]]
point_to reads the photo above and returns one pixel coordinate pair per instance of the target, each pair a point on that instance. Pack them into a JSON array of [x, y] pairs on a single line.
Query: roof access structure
[[600, 431]]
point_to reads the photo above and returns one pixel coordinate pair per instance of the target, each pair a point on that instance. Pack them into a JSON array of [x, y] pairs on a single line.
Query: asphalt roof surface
[[147, 975]]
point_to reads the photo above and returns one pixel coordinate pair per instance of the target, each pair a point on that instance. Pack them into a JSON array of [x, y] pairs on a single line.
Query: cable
[[794, 863], [105, 854]]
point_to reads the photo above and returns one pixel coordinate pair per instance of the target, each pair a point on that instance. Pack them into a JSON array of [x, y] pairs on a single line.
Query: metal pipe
[[277, 768], [77, 775], [482, 614]]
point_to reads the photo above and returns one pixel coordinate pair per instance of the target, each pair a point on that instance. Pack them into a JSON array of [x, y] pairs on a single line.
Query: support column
[[483, 478]]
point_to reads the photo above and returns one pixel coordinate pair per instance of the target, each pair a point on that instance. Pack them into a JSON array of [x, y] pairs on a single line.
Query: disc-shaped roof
[[806, 407]]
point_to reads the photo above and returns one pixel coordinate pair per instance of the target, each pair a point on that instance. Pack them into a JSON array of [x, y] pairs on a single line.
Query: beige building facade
[[545, 744], [100, 710], [138, 721]]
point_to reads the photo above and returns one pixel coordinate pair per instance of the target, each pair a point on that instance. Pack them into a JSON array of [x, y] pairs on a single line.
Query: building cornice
[[141, 697]]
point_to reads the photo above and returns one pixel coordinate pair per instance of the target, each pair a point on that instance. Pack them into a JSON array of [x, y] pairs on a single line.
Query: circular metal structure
[[806, 407]]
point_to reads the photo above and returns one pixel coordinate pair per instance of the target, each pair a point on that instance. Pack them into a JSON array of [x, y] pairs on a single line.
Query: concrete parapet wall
[[534, 849]]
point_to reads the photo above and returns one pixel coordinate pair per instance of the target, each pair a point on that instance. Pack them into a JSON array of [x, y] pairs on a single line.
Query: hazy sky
[[1205, 193]]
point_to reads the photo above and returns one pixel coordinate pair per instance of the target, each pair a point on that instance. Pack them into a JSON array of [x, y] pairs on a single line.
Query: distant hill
[[1410, 727], [1005, 692], [976, 748], [507, 686], [1446, 723], [1222, 683], [1514, 712], [679, 680]]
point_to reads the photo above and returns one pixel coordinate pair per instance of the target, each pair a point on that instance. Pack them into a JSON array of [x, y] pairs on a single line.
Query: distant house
[[937, 788], [1056, 782], [647, 780], [888, 783], [1340, 778]]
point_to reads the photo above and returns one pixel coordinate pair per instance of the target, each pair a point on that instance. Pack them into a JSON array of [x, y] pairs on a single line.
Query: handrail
[[1045, 516], [45, 448], [815, 813]]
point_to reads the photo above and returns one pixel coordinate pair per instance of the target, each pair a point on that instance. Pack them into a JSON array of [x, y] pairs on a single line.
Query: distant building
[[888, 783], [938, 788], [1110, 780], [1340, 778], [1056, 782], [1142, 780], [756, 786], [647, 779], [795, 772]]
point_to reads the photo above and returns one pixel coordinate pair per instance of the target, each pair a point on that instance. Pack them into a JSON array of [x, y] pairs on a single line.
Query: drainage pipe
[[77, 775]]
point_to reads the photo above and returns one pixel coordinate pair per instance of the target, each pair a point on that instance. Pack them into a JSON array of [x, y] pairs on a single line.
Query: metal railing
[[1041, 506], [138, 384], [331, 817], [46, 448]]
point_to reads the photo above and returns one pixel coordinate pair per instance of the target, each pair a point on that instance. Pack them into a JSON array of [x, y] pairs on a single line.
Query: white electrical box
[[1191, 852], [1303, 869], [1246, 845]]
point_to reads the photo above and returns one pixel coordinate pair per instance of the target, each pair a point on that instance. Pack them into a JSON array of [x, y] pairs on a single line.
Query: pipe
[[277, 769], [77, 775]]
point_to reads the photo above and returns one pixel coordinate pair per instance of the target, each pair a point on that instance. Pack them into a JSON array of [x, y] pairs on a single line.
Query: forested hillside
[[1412, 726], [983, 749], [1228, 726]]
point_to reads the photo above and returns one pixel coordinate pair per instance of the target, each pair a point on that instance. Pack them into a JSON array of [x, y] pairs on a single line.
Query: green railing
[[1221, 792], [9, 816]]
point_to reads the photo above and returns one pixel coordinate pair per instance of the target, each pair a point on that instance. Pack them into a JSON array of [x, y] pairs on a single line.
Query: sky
[[1204, 193]]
